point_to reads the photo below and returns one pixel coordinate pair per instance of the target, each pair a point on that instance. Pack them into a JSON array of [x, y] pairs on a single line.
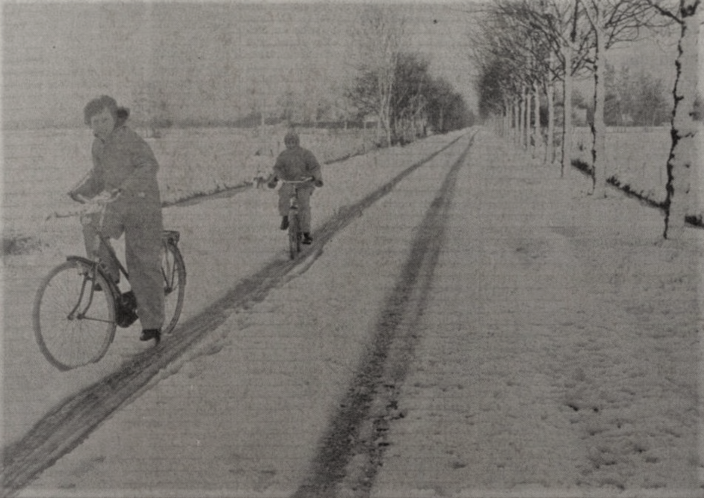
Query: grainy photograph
[[352, 249]]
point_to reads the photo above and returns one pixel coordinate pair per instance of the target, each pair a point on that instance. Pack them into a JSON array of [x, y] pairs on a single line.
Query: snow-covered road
[[559, 353], [225, 242], [483, 329]]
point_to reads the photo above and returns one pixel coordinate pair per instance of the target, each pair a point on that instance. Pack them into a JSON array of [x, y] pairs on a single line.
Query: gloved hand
[[318, 183], [273, 182], [103, 197]]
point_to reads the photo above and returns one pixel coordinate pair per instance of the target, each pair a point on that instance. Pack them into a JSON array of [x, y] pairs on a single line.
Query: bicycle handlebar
[[309, 179], [105, 197], [88, 205]]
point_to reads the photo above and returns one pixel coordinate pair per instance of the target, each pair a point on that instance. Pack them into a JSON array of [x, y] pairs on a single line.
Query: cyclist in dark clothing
[[124, 162], [296, 164]]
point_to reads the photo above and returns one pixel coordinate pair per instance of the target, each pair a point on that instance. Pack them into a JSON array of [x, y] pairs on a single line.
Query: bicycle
[[78, 306], [295, 234]]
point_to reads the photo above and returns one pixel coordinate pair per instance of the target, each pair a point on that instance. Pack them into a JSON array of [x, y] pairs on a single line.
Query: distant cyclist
[[296, 164]]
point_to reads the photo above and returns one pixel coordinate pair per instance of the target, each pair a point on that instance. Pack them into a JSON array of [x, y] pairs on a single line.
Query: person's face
[[102, 123]]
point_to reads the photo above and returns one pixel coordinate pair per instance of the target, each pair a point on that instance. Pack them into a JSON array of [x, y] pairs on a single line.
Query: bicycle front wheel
[[294, 236], [173, 269], [74, 324]]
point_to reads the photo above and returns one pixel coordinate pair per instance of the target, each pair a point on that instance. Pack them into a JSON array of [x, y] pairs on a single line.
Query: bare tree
[[683, 156], [500, 52], [571, 49], [612, 22], [378, 38], [550, 99], [559, 45]]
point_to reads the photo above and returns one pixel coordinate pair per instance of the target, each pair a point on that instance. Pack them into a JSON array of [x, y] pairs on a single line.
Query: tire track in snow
[[352, 449], [64, 428]]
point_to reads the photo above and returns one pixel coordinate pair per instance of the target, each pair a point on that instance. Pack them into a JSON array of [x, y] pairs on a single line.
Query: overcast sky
[[210, 58]]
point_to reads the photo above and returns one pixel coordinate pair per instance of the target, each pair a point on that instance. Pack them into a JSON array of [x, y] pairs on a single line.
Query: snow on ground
[[223, 241], [246, 413], [558, 354], [637, 157], [40, 166]]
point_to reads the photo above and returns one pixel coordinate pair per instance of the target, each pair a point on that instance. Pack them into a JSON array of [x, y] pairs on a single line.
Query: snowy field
[[39, 167], [558, 352], [637, 157]]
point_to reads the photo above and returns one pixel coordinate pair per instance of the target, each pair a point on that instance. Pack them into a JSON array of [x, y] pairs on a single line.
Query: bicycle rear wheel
[[173, 269], [73, 324], [294, 235]]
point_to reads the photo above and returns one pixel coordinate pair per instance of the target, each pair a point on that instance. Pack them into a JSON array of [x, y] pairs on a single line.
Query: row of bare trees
[[386, 83], [525, 49], [395, 85]]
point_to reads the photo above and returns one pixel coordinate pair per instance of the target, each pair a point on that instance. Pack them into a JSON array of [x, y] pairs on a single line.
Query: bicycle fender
[[83, 260], [89, 263]]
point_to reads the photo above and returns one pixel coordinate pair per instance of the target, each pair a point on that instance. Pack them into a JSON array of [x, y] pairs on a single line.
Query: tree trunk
[[683, 155], [599, 127], [517, 121], [385, 87], [537, 142], [567, 111], [526, 124], [550, 146], [521, 118], [514, 115]]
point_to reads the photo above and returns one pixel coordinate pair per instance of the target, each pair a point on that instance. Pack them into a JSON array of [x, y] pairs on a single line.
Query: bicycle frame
[[294, 228], [293, 199], [113, 255], [95, 268], [102, 239], [79, 301], [94, 264], [81, 315]]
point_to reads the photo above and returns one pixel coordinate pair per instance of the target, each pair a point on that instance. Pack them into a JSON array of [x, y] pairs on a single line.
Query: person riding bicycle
[[123, 162], [295, 164]]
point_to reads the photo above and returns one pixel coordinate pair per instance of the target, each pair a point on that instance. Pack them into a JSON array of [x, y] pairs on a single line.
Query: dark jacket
[[297, 164], [125, 161]]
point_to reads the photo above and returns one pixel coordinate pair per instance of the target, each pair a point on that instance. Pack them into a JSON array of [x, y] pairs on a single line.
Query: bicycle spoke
[[89, 318], [66, 338]]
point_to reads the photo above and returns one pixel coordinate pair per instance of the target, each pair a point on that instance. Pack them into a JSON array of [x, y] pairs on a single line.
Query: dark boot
[[126, 309], [284, 223], [149, 334], [307, 239]]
